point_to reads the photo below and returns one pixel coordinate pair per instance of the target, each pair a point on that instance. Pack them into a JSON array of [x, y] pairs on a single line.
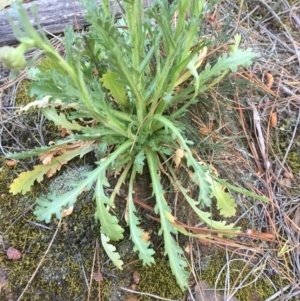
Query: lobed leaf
[[116, 88], [206, 216], [61, 120], [109, 224], [110, 251], [54, 204], [174, 252], [26, 179], [225, 203], [238, 58], [145, 253]]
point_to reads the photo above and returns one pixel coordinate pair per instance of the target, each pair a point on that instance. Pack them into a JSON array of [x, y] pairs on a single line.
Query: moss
[[61, 276], [22, 96], [159, 280], [256, 287]]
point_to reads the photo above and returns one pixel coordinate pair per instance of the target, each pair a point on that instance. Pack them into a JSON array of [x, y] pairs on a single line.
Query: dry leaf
[[273, 119], [64, 131], [288, 175], [179, 154], [145, 236], [11, 162], [44, 102], [204, 131], [5, 3], [47, 156], [187, 249], [67, 211], [269, 79]]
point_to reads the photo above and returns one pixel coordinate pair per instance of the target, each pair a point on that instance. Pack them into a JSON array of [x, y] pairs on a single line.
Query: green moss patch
[[159, 280]]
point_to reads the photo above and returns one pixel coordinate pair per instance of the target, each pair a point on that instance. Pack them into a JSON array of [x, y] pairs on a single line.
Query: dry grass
[[272, 30]]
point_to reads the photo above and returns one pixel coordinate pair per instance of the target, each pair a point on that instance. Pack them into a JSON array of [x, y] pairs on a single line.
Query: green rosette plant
[[115, 93]]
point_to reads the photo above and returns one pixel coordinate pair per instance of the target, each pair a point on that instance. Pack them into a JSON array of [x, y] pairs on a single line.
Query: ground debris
[[202, 292]]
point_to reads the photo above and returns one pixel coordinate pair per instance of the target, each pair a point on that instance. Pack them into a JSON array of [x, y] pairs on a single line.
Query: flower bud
[[12, 58]]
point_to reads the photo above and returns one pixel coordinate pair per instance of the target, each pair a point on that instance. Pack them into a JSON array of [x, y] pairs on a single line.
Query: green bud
[[12, 58]]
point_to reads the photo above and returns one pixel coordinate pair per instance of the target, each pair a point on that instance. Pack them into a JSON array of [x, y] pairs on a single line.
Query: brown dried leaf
[[286, 182], [47, 156], [11, 163], [204, 131], [273, 119], [179, 154], [133, 286], [145, 236], [269, 79], [67, 211], [64, 131], [187, 249], [288, 175]]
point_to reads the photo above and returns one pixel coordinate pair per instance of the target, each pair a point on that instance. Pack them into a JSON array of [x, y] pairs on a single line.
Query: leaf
[[54, 204], [225, 202], [116, 88], [26, 179], [238, 58], [61, 120], [139, 236], [39, 150], [243, 191], [139, 161], [200, 179], [192, 66], [174, 252], [206, 216], [145, 236], [237, 40], [44, 102], [4, 3], [67, 211], [48, 156], [110, 251], [108, 223], [37, 103]]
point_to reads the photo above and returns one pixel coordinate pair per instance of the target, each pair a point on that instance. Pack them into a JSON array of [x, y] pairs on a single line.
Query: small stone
[[13, 254]]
